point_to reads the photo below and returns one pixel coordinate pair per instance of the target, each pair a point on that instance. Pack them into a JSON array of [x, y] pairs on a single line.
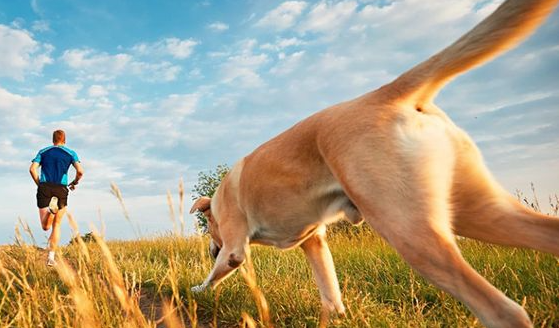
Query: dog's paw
[[198, 289]]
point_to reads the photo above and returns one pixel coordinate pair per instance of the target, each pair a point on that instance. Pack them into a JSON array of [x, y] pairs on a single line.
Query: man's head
[[58, 137], [203, 204]]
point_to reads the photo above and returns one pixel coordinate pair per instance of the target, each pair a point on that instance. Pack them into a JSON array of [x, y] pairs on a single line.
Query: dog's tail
[[507, 26]]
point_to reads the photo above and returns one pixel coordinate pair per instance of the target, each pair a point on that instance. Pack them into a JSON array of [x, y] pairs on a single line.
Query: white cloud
[[325, 16], [284, 16], [57, 98], [218, 26], [140, 106], [100, 66], [175, 47], [288, 63], [154, 72], [26, 112], [252, 61], [401, 13], [246, 46], [242, 70], [122, 97], [66, 92], [180, 105], [17, 110], [13, 102], [282, 44], [329, 62], [96, 91], [21, 54], [195, 73], [180, 49], [218, 54]]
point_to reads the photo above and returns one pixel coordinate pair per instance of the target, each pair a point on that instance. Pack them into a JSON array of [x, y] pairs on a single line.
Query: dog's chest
[[287, 228]]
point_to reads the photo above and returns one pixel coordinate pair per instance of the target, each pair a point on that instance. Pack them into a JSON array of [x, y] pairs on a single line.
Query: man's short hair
[[58, 136]]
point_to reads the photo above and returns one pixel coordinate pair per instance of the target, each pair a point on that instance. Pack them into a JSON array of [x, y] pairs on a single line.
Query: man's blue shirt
[[55, 162]]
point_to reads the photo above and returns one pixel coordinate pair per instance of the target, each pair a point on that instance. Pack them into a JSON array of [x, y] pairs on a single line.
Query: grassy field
[[146, 283]]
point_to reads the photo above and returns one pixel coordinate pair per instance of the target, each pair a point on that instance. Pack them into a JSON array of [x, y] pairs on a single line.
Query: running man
[[52, 186]]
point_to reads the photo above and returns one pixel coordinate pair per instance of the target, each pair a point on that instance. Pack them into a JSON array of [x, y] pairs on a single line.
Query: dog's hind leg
[[410, 207], [319, 256], [484, 211], [431, 249], [437, 258]]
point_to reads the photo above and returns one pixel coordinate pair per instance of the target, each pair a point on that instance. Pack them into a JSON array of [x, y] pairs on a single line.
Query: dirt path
[[151, 305]]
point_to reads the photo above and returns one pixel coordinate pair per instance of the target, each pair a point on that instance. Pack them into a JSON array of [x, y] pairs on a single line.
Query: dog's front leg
[[319, 256], [233, 232], [225, 264]]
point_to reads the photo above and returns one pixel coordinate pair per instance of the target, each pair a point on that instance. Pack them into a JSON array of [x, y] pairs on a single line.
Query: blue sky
[[152, 92]]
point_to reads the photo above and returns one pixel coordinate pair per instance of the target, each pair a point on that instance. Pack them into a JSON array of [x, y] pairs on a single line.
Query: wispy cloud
[[282, 43], [218, 26], [97, 65], [97, 91], [101, 66], [175, 47], [180, 105], [328, 17], [288, 63], [241, 69], [284, 16]]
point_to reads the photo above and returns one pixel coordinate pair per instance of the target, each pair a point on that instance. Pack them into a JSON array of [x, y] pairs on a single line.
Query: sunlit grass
[[146, 283], [139, 283]]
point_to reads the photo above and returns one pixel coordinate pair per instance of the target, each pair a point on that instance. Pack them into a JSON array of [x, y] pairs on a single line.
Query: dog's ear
[[201, 204]]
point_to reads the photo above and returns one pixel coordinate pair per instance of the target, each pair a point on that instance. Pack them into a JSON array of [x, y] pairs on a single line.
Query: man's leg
[[47, 213], [55, 235], [46, 218], [47, 204]]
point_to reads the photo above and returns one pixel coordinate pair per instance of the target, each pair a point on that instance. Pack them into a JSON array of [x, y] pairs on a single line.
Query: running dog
[[393, 158]]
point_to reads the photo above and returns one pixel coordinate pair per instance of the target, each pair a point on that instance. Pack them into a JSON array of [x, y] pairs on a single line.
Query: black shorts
[[47, 190]]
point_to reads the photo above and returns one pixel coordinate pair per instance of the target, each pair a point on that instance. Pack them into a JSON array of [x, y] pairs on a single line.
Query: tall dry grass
[[146, 283]]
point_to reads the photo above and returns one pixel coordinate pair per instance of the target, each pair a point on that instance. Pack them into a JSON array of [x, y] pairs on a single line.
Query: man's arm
[[33, 172], [79, 175]]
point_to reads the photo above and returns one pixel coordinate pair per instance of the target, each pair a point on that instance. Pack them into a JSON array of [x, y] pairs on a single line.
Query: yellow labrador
[[395, 159]]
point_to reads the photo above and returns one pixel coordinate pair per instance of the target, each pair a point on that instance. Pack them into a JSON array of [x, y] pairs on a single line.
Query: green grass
[[378, 288]]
